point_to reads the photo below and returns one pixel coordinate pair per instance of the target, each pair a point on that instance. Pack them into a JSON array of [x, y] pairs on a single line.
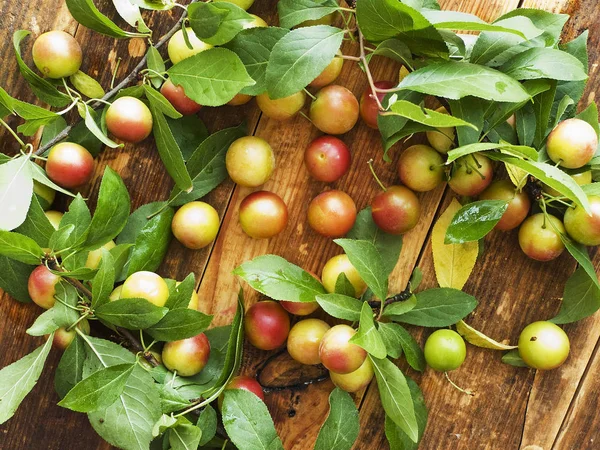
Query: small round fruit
[[147, 285], [334, 110], [369, 110], [257, 22], [45, 194], [63, 338], [543, 345], [69, 165], [354, 381], [471, 175], [341, 264], [518, 206], [116, 293], [42, 286], [54, 217], [95, 256], [267, 325], [539, 237], [337, 353], [176, 96], [129, 119], [244, 4], [188, 356], [263, 214], [194, 299], [246, 383], [396, 210], [445, 350], [57, 54], [421, 168], [240, 99], [584, 227], [443, 139], [329, 74], [281, 108], [572, 143], [250, 161], [512, 121], [195, 225], [332, 213], [299, 308], [581, 179], [178, 49], [327, 158], [304, 340]]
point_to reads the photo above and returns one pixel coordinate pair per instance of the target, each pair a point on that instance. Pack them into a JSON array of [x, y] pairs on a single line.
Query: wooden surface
[[513, 408]]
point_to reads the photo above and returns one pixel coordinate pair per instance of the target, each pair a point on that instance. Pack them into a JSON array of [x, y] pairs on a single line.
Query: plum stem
[[457, 387], [11, 131], [126, 81], [363, 59], [370, 163]]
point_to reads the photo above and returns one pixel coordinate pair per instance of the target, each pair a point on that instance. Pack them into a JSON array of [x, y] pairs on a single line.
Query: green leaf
[[394, 49], [456, 20], [254, 46], [212, 77], [84, 12], [69, 371], [552, 24], [42, 88], [207, 165], [79, 219], [104, 281], [384, 19], [112, 210], [169, 150], [475, 220], [549, 175], [455, 80], [189, 132], [130, 13], [590, 115], [36, 224], [299, 57], [184, 437], [13, 278], [131, 313], [341, 428], [87, 85], [155, 63], [580, 253], [19, 378], [99, 390], [34, 115], [400, 336], [513, 358], [426, 116], [295, 12], [248, 422], [44, 324], [20, 248], [160, 103], [66, 301], [399, 308], [340, 306], [367, 336], [207, 422], [232, 20], [396, 396], [471, 110], [81, 134], [368, 262], [581, 298], [397, 438], [439, 307], [155, 5], [343, 286], [151, 243], [491, 44], [180, 293], [16, 190], [180, 324], [542, 107], [544, 63], [279, 279]]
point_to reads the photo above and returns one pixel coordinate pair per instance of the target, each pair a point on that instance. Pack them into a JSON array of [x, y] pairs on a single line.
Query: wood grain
[[510, 403]]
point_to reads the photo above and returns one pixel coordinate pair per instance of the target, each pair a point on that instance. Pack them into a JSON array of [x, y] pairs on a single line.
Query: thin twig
[[126, 81], [363, 58]]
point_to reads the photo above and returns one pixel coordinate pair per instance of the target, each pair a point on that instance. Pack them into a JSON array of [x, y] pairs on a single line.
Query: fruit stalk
[[126, 81]]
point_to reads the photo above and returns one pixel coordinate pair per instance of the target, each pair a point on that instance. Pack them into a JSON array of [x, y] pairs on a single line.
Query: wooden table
[[513, 408]]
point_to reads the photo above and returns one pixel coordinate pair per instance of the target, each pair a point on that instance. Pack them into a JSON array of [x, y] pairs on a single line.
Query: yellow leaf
[[517, 175], [478, 339], [453, 262]]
